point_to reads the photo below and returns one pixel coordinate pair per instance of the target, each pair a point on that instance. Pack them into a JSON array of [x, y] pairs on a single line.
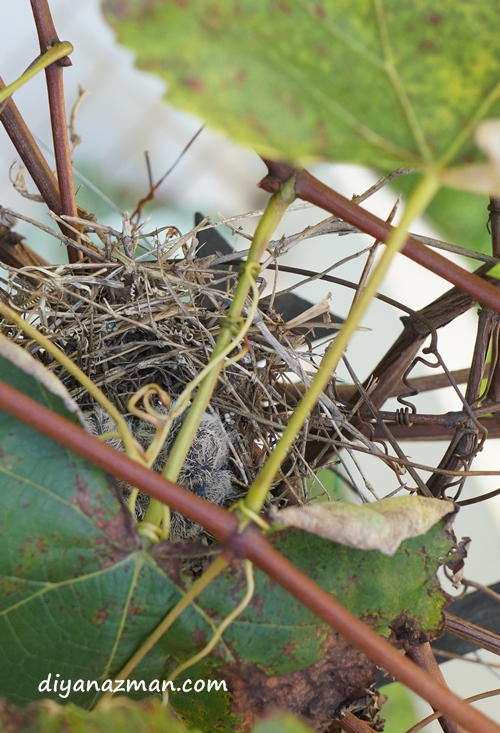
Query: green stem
[[210, 574], [273, 214], [418, 202], [77, 373], [58, 51]]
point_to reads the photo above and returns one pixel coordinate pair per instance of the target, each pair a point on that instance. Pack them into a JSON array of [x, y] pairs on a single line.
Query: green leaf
[[281, 723], [399, 708], [78, 592], [120, 715], [379, 82], [80, 595], [276, 644]]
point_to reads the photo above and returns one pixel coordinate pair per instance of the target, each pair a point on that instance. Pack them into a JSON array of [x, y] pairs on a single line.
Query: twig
[[30, 154], [310, 189], [47, 36], [474, 698], [153, 187], [483, 588], [422, 655], [472, 633], [351, 724]]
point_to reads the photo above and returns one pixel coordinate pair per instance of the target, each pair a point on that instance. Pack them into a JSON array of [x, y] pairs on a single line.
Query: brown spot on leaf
[[428, 47], [193, 82], [256, 124], [132, 610], [15, 719], [199, 638], [99, 617], [435, 18], [121, 529], [314, 693]]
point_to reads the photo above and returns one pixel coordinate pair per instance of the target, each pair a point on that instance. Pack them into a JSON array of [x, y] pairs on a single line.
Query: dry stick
[[30, 154], [493, 385], [468, 439], [351, 724], [250, 544], [47, 36], [422, 655], [371, 256], [378, 416], [420, 433], [310, 189], [483, 588], [474, 698], [470, 632], [423, 384]]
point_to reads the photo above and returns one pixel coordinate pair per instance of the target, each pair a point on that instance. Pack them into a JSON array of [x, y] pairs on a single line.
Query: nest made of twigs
[[127, 322]]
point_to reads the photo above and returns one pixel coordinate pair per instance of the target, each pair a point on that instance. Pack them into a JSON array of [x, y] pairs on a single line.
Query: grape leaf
[[120, 715], [80, 595], [378, 82], [281, 723]]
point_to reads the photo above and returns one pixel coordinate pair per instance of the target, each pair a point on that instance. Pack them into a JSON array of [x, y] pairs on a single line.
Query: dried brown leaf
[[381, 526]]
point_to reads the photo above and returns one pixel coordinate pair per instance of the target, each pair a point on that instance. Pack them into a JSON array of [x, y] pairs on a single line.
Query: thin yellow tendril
[[58, 51]]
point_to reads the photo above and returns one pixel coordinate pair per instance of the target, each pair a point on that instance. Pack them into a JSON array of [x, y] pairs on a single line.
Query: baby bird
[[205, 471]]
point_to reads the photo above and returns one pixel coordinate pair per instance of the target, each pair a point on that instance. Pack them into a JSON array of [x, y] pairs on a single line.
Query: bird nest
[[129, 317]]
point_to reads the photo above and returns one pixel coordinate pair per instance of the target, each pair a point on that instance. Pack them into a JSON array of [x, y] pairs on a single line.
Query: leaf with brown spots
[[277, 653], [385, 83], [78, 592], [80, 595]]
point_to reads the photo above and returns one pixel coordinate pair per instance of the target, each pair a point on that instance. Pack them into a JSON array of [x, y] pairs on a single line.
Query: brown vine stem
[[30, 154], [250, 544], [47, 36], [310, 189], [351, 724], [422, 655], [470, 632], [474, 698]]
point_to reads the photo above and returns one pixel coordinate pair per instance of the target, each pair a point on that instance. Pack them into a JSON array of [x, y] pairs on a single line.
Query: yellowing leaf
[[381, 526], [483, 178], [385, 83]]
